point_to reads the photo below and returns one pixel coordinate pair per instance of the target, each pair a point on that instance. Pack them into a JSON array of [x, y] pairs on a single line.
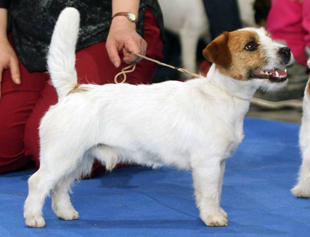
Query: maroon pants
[[22, 106]]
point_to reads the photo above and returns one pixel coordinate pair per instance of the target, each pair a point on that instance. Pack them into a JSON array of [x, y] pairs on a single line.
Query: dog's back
[[61, 55]]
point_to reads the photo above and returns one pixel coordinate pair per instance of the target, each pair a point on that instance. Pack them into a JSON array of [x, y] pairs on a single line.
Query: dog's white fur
[[189, 21], [194, 125], [302, 188]]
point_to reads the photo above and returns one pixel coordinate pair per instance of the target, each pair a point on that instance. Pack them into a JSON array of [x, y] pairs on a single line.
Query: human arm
[[123, 35], [8, 57]]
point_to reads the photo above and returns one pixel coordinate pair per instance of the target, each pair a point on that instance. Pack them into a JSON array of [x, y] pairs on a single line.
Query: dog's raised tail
[[61, 55]]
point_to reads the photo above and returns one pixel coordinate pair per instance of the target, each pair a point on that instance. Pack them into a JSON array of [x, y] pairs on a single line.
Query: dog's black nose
[[285, 54]]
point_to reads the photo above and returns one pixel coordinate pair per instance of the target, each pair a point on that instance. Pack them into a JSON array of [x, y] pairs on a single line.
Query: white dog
[[194, 125], [189, 21], [302, 188]]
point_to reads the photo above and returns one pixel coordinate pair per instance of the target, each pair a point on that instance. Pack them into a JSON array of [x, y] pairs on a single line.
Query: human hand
[[123, 36], [8, 59]]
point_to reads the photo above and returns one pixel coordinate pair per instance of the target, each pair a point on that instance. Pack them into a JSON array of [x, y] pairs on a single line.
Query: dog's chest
[[235, 139], [231, 148]]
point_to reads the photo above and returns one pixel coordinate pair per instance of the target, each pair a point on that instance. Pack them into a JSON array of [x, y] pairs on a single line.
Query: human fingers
[[132, 46], [113, 53], [14, 68], [143, 49]]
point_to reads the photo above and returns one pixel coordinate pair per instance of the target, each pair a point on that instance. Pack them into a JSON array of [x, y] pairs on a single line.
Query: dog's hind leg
[[61, 203], [53, 170], [34, 202]]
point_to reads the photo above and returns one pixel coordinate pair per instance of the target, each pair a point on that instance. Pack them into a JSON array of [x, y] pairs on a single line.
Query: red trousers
[[23, 106]]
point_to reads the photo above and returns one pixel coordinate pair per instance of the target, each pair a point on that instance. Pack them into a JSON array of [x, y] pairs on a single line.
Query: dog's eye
[[251, 46]]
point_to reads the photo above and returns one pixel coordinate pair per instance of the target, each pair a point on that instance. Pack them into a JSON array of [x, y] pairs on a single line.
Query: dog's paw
[[302, 191], [68, 215], [224, 213], [35, 221], [215, 218]]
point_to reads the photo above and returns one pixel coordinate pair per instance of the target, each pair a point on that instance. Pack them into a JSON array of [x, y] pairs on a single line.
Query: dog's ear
[[218, 52]]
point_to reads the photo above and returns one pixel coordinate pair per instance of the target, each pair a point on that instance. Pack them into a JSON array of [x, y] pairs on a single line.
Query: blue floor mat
[[138, 201]]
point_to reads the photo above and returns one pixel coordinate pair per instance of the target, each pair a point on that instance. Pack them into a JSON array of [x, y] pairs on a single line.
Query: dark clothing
[[4, 3], [33, 23], [223, 16]]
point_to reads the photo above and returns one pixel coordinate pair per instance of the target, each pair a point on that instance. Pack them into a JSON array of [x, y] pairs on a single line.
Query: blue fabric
[[138, 201]]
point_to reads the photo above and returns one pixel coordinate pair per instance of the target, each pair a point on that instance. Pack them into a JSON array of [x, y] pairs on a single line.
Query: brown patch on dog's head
[[77, 88], [246, 54], [218, 51], [236, 53]]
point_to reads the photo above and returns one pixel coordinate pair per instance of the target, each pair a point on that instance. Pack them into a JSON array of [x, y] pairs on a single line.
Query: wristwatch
[[130, 16]]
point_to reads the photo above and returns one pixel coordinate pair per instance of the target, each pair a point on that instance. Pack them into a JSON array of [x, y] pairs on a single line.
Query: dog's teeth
[[285, 70], [277, 74]]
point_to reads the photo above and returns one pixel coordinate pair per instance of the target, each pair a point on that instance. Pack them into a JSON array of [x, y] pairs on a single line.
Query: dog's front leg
[[302, 188], [208, 185]]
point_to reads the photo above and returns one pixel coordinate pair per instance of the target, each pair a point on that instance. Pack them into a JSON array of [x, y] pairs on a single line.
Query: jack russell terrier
[[302, 188], [195, 125]]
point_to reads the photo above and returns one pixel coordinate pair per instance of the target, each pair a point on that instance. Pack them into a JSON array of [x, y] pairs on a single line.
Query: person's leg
[[93, 66], [16, 104], [223, 16]]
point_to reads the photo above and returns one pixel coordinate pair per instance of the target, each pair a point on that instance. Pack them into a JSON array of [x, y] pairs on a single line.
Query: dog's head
[[250, 55]]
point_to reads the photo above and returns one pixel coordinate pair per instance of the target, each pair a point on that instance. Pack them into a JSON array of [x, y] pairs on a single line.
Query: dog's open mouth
[[275, 75]]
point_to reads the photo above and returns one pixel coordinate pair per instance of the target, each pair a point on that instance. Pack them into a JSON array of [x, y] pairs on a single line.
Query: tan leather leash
[[132, 67]]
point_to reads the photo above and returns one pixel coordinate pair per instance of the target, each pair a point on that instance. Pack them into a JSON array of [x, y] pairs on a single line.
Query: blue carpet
[[138, 201]]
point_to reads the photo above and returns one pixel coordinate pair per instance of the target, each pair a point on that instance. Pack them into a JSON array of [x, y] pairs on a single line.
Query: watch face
[[131, 17]]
